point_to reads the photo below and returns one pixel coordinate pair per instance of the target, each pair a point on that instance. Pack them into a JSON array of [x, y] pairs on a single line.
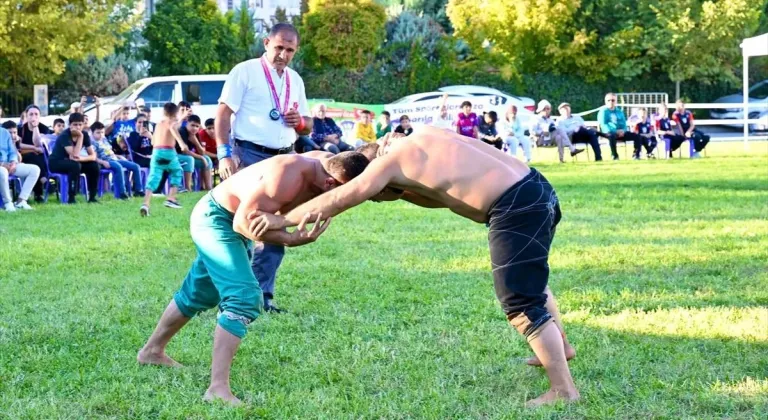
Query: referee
[[269, 105]]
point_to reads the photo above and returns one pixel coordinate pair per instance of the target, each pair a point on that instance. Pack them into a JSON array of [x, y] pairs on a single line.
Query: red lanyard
[[272, 88]]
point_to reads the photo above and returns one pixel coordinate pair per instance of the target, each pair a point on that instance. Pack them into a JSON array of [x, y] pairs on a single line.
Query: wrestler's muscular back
[[465, 174], [263, 178]]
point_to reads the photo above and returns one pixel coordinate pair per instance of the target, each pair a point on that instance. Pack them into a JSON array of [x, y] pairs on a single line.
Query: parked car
[[758, 107], [202, 91], [424, 108], [502, 97]]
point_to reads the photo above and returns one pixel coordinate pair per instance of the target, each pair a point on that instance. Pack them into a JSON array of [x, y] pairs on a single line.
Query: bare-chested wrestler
[[437, 168], [221, 274]]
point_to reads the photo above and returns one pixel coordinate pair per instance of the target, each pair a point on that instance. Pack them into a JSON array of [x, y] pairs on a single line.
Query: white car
[[424, 108], [201, 91], [758, 107], [503, 98]]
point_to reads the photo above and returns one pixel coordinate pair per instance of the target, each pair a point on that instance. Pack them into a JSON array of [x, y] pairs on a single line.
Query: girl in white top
[[514, 134]]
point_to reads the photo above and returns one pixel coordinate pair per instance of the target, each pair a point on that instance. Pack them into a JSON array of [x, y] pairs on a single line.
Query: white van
[[201, 91]]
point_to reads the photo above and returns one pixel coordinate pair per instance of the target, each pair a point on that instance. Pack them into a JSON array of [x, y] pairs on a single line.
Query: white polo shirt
[[248, 94]]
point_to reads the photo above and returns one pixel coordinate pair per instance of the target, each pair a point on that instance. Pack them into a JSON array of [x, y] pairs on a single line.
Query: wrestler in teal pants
[[221, 273]]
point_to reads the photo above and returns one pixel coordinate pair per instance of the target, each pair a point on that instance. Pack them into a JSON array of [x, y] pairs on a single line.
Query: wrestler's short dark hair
[[170, 109], [347, 165], [369, 150], [284, 28]]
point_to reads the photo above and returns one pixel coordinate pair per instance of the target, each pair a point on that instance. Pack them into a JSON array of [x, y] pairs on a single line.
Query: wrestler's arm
[[375, 177], [422, 201], [275, 191]]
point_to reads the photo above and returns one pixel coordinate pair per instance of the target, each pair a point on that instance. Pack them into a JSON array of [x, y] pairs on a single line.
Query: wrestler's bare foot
[[552, 397], [148, 357], [570, 353], [222, 393]]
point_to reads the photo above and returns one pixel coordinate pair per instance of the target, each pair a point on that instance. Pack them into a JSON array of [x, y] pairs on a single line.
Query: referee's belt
[[253, 146]]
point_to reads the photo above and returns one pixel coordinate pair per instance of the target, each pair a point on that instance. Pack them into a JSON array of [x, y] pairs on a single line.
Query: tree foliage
[[343, 33], [38, 37], [242, 20], [189, 37], [98, 76]]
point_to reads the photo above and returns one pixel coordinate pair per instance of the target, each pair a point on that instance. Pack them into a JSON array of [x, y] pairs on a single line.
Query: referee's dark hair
[[284, 28]]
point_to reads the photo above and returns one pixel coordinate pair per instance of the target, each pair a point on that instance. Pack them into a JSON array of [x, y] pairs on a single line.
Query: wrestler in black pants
[[585, 135], [73, 170]]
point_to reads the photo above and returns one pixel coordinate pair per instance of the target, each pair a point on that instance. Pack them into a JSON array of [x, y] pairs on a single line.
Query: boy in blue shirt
[[107, 158]]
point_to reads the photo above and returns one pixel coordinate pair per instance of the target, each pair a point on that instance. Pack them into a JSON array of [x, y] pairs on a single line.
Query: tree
[[524, 34], [189, 37], [98, 76], [280, 15], [38, 37], [243, 21], [346, 34], [700, 40]]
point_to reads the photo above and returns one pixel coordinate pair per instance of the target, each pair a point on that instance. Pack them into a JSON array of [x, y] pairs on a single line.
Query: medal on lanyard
[[276, 112]]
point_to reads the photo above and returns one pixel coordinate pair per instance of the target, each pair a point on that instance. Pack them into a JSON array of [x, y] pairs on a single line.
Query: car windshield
[[127, 92], [759, 91]]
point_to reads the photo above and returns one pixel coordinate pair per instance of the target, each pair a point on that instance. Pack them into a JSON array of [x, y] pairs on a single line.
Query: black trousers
[[699, 140], [636, 140], [675, 141], [39, 161], [585, 135], [497, 142], [73, 170]]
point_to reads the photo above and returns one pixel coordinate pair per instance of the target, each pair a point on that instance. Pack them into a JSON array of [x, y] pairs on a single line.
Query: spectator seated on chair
[[544, 131], [305, 144], [73, 155], [487, 130], [514, 134], [684, 120], [115, 163], [645, 130], [207, 139], [140, 143], [10, 166], [384, 125], [194, 157], [614, 124], [666, 131], [405, 126], [31, 146], [364, 132], [466, 122], [575, 128], [326, 133]]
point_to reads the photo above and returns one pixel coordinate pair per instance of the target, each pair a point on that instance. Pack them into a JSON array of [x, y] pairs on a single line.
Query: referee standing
[[269, 105]]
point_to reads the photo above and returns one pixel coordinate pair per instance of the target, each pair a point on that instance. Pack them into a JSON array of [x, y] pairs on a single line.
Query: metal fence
[[14, 101]]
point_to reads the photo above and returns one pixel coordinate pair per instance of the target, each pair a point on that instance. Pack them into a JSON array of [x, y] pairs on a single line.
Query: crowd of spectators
[[30, 150]]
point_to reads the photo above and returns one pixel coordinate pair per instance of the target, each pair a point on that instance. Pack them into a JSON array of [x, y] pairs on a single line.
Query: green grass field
[[660, 267]]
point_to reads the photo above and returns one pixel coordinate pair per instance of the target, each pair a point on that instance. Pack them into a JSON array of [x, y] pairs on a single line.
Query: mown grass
[[660, 267]]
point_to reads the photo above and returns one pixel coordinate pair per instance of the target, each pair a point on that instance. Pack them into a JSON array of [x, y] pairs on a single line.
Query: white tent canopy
[[750, 47]]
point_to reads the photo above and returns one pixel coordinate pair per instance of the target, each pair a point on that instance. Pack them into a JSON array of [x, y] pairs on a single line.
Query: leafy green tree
[[98, 76], [37, 38], [189, 37], [280, 15], [343, 35], [246, 44]]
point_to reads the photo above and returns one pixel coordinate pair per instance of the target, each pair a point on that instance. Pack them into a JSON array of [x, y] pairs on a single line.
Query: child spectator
[[364, 132], [107, 158], [122, 124], [384, 125], [487, 130], [466, 124], [665, 130], [644, 129], [195, 152], [405, 126], [207, 138], [140, 142]]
